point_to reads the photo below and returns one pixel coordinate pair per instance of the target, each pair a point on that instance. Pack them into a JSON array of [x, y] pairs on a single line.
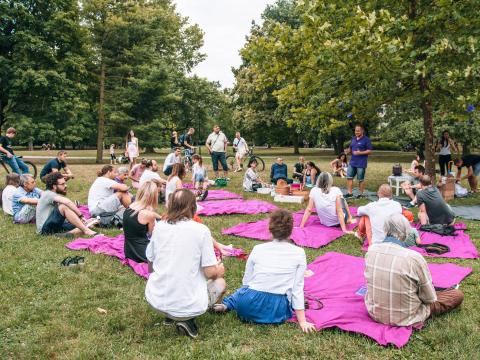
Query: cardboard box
[[448, 189]]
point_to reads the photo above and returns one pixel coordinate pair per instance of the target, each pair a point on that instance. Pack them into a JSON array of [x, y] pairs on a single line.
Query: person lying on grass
[[25, 199], [332, 209], [186, 278], [56, 214], [273, 280]]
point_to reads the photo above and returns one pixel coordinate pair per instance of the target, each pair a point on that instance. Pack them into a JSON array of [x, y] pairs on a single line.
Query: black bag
[[111, 219], [434, 248], [444, 230], [256, 186], [397, 170]]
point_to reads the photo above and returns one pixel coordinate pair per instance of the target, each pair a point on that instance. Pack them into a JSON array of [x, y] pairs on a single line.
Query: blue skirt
[[259, 306]]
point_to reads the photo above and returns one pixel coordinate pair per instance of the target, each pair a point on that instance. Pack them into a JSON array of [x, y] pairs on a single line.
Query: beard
[[61, 192]]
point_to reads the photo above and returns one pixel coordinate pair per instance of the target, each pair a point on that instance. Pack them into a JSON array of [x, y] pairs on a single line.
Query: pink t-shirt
[[135, 175]]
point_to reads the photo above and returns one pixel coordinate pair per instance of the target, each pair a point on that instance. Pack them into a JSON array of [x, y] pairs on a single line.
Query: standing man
[[217, 147], [360, 148], [186, 140], [241, 148], [56, 165], [472, 163], [7, 154]]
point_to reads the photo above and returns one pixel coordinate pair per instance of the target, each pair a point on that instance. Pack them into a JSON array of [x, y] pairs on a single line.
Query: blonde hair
[[147, 197]]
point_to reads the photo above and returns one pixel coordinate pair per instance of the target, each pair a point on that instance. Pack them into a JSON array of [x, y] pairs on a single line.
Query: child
[[251, 180], [199, 176], [174, 181], [273, 279], [113, 158], [11, 184]]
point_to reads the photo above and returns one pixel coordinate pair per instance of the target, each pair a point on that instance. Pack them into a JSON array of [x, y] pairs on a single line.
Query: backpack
[[444, 230], [221, 182], [111, 219], [397, 170]]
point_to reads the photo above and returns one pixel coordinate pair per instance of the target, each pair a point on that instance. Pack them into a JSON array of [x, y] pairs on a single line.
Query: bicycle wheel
[[231, 162], [32, 168], [260, 162]]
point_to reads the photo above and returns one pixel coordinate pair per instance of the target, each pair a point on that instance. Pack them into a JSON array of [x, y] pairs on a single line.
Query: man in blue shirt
[[360, 148], [55, 165], [25, 200], [279, 171]]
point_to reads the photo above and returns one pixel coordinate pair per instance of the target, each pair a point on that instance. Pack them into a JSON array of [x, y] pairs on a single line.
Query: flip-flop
[[92, 236], [66, 261]]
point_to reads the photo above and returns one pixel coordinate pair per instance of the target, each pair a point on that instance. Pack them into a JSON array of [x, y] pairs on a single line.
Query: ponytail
[[104, 170]]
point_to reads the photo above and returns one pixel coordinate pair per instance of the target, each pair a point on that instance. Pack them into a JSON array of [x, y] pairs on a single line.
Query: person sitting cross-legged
[[298, 169], [273, 280], [279, 171], [412, 187], [25, 199], [56, 214], [186, 278], [11, 185], [399, 284], [332, 209], [432, 208]]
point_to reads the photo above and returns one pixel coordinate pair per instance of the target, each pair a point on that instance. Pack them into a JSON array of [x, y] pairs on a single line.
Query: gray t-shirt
[[45, 206], [438, 210]]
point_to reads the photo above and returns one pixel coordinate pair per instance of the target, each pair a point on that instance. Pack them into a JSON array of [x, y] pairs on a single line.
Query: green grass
[[51, 312]]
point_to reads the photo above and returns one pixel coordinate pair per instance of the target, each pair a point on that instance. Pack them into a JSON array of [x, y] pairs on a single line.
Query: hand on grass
[[307, 327]]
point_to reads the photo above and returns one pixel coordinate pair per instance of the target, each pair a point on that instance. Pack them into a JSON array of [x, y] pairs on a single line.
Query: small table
[[396, 181]]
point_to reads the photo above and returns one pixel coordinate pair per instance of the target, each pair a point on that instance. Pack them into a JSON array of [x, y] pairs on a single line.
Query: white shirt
[[100, 190], [326, 205], [171, 159], [241, 145], [148, 175], [277, 267], [171, 187], [7, 198], [378, 211], [217, 141], [444, 150], [178, 252], [200, 170], [250, 178]]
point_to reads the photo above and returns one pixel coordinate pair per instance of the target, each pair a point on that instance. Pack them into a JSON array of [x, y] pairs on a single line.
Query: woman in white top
[[11, 185], [251, 180], [174, 181], [444, 146], [131, 148], [332, 209], [273, 280]]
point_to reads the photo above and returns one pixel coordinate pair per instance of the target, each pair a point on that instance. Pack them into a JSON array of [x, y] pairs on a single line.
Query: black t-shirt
[[186, 139], [173, 142], [470, 160], [437, 209], [6, 144], [299, 167], [52, 164]]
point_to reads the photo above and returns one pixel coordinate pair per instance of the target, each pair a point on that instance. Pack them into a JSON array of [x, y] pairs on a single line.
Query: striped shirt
[[399, 285]]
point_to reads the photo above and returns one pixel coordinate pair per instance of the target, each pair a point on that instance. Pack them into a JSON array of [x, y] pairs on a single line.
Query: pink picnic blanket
[[313, 235], [461, 246], [337, 279], [216, 194], [113, 246], [235, 206], [84, 210]]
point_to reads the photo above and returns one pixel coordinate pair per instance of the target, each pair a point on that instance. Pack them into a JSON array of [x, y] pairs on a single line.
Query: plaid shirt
[[399, 285]]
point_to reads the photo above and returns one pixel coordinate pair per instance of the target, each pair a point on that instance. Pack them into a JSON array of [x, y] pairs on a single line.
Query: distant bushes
[[380, 145]]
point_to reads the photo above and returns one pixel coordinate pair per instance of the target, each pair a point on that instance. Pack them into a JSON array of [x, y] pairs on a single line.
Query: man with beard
[[57, 214]]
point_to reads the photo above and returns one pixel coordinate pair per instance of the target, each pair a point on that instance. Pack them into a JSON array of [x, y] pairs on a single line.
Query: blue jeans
[[17, 164], [56, 223]]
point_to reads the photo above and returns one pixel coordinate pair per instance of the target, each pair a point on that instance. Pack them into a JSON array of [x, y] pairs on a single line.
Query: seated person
[[472, 163], [174, 181], [419, 160], [332, 209], [139, 220], [340, 165], [399, 285], [412, 187], [122, 175], [57, 164], [150, 173], [25, 199], [432, 208], [279, 171], [11, 184], [373, 215], [199, 174], [171, 159], [298, 169], [57, 214], [137, 172], [186, 277], [273, 280], [251, 180], [310, 175], [102, 197]]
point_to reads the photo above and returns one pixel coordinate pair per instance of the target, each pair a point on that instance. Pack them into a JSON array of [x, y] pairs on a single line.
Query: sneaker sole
[[183, 330]]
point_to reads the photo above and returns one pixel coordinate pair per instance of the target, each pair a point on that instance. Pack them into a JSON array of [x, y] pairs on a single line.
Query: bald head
[[384, 191]]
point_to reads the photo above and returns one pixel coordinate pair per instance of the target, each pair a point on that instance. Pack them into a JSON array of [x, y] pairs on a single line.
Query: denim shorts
[[56, 223], [358, 171], [199, 178]]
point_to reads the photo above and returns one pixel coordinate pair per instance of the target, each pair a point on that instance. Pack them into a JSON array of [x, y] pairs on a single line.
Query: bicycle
[[31, 166], [232, 161]]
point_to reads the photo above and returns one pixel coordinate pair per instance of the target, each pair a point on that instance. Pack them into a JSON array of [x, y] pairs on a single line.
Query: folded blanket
[[235, 206], [113, 246], [461, 246], [313, 235], [337, 279]]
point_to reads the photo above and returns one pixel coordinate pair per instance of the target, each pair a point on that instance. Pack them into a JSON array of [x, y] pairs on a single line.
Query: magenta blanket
[[235, 206], [337, 277], [84, 210], [461, 246], [313, 235], [113, 246], [222, 195]]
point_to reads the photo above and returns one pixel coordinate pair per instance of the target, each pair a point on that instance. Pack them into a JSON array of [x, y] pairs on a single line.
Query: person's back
[[100, 190], [325, 204], [437, 209], [171, 187], [279, 171], [12, 183], [136, 236], [377, 212]]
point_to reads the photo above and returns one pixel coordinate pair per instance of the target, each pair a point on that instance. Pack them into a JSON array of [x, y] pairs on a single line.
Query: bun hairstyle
[[281, 224], [104, 170]]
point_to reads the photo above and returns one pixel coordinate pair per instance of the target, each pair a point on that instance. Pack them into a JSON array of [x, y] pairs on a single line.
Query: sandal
[[73, 261]]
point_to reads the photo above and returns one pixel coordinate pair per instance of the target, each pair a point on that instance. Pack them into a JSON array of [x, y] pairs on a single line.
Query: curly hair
[[52, 179], [281, 224]]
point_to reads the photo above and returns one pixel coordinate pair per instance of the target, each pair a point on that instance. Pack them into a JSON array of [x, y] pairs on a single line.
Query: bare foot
[[308, 273], [219, 308]]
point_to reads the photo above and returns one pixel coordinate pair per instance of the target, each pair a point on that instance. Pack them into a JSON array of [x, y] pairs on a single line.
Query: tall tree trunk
[[30, 144], [101, 116], [2, 116], [465, 148], [296, 147], [428, 129]]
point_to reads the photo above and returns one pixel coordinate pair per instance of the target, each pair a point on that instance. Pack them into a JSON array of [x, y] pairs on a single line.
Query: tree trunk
[[101, 116], [296, 148], [30, 144], [465, 148], [428, 129], [2, 116]]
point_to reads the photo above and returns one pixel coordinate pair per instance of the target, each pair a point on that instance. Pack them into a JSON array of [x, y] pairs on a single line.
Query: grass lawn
[[51, 312]]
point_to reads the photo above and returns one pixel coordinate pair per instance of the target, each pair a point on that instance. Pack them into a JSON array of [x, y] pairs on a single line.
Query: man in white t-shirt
[[11, 184], [186, 278], [171, 159], [150, 173], [241, 148], [217, 146], [374, 214], [102, 197], [331, 207]]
